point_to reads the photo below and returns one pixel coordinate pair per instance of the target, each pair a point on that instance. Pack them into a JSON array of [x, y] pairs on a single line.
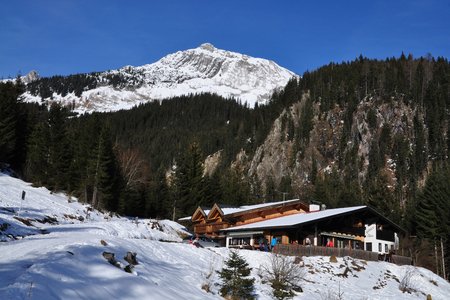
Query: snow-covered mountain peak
[[207, 46], [205, 69], [30, 77]]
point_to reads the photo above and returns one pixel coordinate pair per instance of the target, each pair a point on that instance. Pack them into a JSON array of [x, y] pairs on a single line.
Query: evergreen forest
[[150, 161]]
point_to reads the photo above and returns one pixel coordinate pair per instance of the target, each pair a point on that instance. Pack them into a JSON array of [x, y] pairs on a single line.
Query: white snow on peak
[[207, 46], [30, 77], [205, 69]]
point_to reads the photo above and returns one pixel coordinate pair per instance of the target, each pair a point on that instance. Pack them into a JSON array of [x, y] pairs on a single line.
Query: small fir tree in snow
[[235, 276]]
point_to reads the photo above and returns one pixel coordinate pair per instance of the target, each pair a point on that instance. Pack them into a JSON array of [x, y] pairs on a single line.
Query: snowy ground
[[60, 257]]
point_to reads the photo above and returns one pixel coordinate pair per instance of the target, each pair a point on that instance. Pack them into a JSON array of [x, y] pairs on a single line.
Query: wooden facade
[[211, 222], [358, 228], [293, 222]]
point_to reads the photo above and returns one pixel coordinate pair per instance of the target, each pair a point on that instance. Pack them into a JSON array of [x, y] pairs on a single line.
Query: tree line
[[148, 161]]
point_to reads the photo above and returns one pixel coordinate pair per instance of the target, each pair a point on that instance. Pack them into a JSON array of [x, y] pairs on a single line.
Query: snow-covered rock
[[205, 69], [30, 77]]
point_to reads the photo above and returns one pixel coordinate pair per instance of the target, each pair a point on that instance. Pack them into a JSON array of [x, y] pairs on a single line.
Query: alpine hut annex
[[295, 222]]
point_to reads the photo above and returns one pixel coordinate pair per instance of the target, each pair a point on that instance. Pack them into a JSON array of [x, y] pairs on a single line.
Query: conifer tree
[[107, 173], [270, 190], [236, 283], [37, 167], [8, 118], [213, 189], [87, 132], [420, 150], [60, 154], [432, 214], [379, 196], [314, 171], [189, 184], [235, 190], [158, 201]]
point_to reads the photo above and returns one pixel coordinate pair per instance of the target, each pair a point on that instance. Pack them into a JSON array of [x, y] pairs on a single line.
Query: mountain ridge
[[204, 69]]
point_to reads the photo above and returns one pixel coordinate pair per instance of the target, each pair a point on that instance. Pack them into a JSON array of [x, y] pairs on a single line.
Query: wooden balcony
[[209, 228]]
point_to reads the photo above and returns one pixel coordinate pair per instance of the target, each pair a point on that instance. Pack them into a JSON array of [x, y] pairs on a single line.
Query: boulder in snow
[[131, 258]]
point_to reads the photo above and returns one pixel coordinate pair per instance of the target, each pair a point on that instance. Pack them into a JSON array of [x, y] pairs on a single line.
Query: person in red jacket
[[330, 243]]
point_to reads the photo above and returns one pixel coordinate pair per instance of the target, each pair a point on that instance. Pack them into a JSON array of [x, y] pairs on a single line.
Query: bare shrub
[[133, 166], [206, 286], [284, 276], [406, 284], [331, 294]]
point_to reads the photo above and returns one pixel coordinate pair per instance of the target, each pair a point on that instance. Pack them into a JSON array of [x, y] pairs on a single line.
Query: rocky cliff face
[[280, 155]]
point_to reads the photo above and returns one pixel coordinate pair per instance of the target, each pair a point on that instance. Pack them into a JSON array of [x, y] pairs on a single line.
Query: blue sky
[[59, 37]]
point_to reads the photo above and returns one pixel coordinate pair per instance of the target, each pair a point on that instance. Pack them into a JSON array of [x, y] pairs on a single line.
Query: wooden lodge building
[[294, 222]]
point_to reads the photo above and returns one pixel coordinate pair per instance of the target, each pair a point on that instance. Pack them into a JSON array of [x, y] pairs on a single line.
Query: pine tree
[[433, 211], [102, 181], [60, 154], [189, 184], [84, 166], [270, 189], [285, 186], [375, 162], [379, 196], [235, 189], [327, 188], [158, 202], [420, 150], [37, 168], [236, 283], [212, 189], [384, 143], [432, 214], [8, 118], [314, 170], [107, 173]]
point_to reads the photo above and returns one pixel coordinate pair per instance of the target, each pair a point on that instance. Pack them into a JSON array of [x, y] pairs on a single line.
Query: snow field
[[67, 262]]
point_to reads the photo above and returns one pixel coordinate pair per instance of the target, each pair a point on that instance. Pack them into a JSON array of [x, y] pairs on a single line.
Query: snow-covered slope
[[61, 258], [205, 69]]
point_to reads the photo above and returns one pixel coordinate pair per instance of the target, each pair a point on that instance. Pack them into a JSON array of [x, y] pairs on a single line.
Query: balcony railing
[[300, 250]]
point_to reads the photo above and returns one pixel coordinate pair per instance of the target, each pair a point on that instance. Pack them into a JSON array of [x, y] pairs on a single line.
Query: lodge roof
[[233, 211], [305, 218]]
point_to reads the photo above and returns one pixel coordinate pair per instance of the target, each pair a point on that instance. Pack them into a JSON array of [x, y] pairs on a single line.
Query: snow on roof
[[232, 210], [300, 218]]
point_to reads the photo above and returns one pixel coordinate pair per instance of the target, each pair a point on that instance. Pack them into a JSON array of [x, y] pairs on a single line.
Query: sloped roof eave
[[198, 210], [269, 205], [306, 218], [215, 206]]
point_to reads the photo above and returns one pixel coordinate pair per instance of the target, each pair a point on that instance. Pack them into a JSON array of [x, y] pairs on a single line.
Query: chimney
[[314, 207]]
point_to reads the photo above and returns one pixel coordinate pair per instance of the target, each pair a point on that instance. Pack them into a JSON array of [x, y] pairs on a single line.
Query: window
[[368, 246], [380, 247], [240, 241], [386, 248]]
